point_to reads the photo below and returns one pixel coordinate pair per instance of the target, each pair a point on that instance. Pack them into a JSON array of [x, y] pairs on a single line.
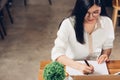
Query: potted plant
[[54, 71]]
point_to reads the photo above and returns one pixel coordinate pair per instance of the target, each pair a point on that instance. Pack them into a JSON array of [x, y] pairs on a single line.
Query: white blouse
[[66, 43]]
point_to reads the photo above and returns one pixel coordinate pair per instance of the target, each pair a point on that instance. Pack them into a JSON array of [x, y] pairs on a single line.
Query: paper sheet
[[99, 69]]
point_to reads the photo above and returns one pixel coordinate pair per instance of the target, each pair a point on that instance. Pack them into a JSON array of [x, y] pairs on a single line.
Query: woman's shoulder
[[65, 21], [69, 18], [106, 22], [105, 18]]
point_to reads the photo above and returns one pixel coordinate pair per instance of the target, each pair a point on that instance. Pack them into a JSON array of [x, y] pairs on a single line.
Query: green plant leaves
[[54, 71]]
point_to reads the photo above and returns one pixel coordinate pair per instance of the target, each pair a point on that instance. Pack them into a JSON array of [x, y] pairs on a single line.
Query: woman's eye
[[96, 12]]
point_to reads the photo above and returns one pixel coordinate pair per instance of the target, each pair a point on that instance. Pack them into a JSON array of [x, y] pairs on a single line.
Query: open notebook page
[[99, 69]]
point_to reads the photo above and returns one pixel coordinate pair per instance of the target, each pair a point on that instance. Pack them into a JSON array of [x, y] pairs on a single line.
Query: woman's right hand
[[86, 69]]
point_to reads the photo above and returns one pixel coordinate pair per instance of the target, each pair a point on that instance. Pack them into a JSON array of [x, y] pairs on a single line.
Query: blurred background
[[28, 30]]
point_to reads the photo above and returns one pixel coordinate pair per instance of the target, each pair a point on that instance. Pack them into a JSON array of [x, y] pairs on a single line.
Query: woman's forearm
[[69, 62]]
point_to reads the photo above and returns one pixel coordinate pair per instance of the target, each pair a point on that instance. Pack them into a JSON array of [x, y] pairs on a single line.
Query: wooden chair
[[2, 23], [11, 1], [116, 9], [25, 2], [50, 2], [1, 28], [8, 11], [4, 4], [1, 34]]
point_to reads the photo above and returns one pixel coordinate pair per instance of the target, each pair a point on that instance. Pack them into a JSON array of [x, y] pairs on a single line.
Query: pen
[[86, 62]]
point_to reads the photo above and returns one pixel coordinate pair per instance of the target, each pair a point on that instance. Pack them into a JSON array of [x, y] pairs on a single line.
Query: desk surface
[[113, 67]]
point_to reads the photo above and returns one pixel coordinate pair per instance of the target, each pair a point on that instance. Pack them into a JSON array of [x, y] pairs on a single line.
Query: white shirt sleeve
[[61, 41], [110, 31]]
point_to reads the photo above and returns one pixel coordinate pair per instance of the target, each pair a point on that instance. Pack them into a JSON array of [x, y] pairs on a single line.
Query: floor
[[31, 37]]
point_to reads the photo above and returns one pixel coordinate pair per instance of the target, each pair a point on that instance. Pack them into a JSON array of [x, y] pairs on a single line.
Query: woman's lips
[[91, 20]]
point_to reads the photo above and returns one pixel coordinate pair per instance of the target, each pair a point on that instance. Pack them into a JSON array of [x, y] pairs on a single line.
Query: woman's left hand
[[103, 58]]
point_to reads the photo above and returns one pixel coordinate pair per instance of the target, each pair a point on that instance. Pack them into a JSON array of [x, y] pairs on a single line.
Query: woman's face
[[92, 14]]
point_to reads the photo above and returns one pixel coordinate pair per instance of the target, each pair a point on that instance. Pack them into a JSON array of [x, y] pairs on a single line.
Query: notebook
[[99, 69]]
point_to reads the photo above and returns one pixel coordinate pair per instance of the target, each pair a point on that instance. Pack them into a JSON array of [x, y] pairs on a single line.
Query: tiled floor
[[32, 35]]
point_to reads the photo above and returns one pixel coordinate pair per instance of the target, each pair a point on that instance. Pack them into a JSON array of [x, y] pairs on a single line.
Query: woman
[[87, 34]]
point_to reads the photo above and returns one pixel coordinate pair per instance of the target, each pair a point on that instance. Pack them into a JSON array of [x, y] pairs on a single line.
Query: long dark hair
[[80, 9]]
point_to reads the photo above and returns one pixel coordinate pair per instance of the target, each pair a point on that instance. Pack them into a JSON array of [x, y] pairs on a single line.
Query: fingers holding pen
[[87, 69]]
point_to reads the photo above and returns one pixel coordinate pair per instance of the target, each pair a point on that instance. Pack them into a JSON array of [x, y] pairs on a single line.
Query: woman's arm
[[108, 44], [104, 56], [76, 65]]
